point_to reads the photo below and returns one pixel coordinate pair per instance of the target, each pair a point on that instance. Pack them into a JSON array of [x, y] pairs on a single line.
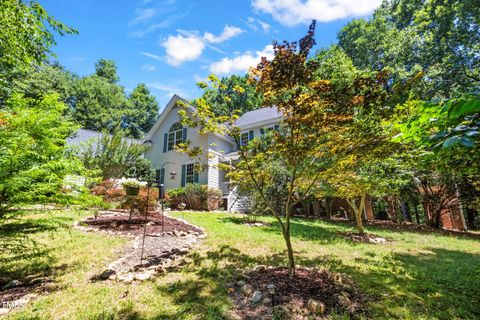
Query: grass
[[416, 276]]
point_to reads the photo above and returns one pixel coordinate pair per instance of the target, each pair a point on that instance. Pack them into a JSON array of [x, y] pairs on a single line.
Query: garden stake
[[145, 223]]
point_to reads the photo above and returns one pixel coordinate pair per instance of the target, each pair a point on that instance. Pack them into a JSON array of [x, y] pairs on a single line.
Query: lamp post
[[271, 289], [161, 191]]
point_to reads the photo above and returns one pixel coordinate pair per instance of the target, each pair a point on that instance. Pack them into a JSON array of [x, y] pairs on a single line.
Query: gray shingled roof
[[258, 115], [84, 135]]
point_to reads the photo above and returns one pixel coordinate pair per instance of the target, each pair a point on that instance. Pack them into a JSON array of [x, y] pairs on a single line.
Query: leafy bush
[[33, 154], [196, 197], [113, 193], [141, 201], [109, 191], [114, 155]]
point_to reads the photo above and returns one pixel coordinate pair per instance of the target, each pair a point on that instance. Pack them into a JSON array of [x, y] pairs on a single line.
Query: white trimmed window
[[175, 136], [244, 139], [190, 173]]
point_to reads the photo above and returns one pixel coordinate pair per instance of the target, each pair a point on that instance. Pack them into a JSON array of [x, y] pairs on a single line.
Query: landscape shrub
[[141, 201], [113, 193], [109, 190], [196, 197]]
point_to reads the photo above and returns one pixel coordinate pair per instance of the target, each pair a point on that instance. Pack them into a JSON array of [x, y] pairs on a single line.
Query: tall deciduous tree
[[143, 111], [48, 78], [26, 37], [107, 69], [99, 104], [232, 93], [437, 37], [315, 118]]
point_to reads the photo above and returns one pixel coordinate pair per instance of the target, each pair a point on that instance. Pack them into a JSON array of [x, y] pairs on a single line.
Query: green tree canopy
[[143, 111], [26, 38], [439, 38], [232, 93], [107, 69], [99, 104]]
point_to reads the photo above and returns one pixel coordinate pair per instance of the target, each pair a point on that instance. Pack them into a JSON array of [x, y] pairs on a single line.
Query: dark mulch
[[295, 292], [404, 226], [420, 228], [121, 223], [364, 237]]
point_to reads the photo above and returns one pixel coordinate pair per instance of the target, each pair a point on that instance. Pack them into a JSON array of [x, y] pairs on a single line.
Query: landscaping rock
[[260, 268], [247, 289], [348, 288], [267, 301], [142, 276], [36, 281], [4, 281], [316, 307], [240, 283], [257, 297], [280, 312], [344, 300], [106, 274], [12, 284], [337, 278], [128, 278]]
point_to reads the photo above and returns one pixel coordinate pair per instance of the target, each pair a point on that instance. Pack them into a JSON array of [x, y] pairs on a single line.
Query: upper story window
[[175, 136], [244, 138]]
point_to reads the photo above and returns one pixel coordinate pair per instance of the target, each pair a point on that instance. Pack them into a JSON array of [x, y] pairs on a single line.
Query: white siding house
[[168, 131]]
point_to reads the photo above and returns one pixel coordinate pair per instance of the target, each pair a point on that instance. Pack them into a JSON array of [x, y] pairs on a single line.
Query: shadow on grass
[[302, 229], [22, 254], [442, 285]]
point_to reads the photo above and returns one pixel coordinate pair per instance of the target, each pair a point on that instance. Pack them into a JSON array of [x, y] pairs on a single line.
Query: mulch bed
[[294, 294], [120, 223], [364, 237]]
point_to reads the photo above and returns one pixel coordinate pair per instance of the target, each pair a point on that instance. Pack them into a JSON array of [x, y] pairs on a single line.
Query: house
[[175, 169]]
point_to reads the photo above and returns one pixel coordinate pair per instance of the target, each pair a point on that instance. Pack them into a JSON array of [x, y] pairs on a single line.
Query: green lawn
[[416, 276]]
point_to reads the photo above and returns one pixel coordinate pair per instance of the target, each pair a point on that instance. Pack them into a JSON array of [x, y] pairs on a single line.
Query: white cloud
[[189, 45], [142, 15], [152, 56], [253, 24], [148, 67], [292, 12], [241, 63], [227, 33], [180, 49]]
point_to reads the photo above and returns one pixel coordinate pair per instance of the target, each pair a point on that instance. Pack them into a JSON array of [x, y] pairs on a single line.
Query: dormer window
[[175, 136]]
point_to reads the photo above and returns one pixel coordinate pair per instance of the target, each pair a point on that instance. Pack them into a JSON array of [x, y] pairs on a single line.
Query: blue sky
[[172, 44]]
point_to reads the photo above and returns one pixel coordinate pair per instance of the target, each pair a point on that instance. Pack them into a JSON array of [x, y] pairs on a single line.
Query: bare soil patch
[[299, 296]]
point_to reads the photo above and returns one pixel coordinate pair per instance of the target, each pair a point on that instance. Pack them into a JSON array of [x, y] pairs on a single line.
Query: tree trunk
[[291, 259], [357, 211], [417, 216]]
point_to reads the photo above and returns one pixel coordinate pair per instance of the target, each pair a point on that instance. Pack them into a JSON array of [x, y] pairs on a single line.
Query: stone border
[[169, 260]]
